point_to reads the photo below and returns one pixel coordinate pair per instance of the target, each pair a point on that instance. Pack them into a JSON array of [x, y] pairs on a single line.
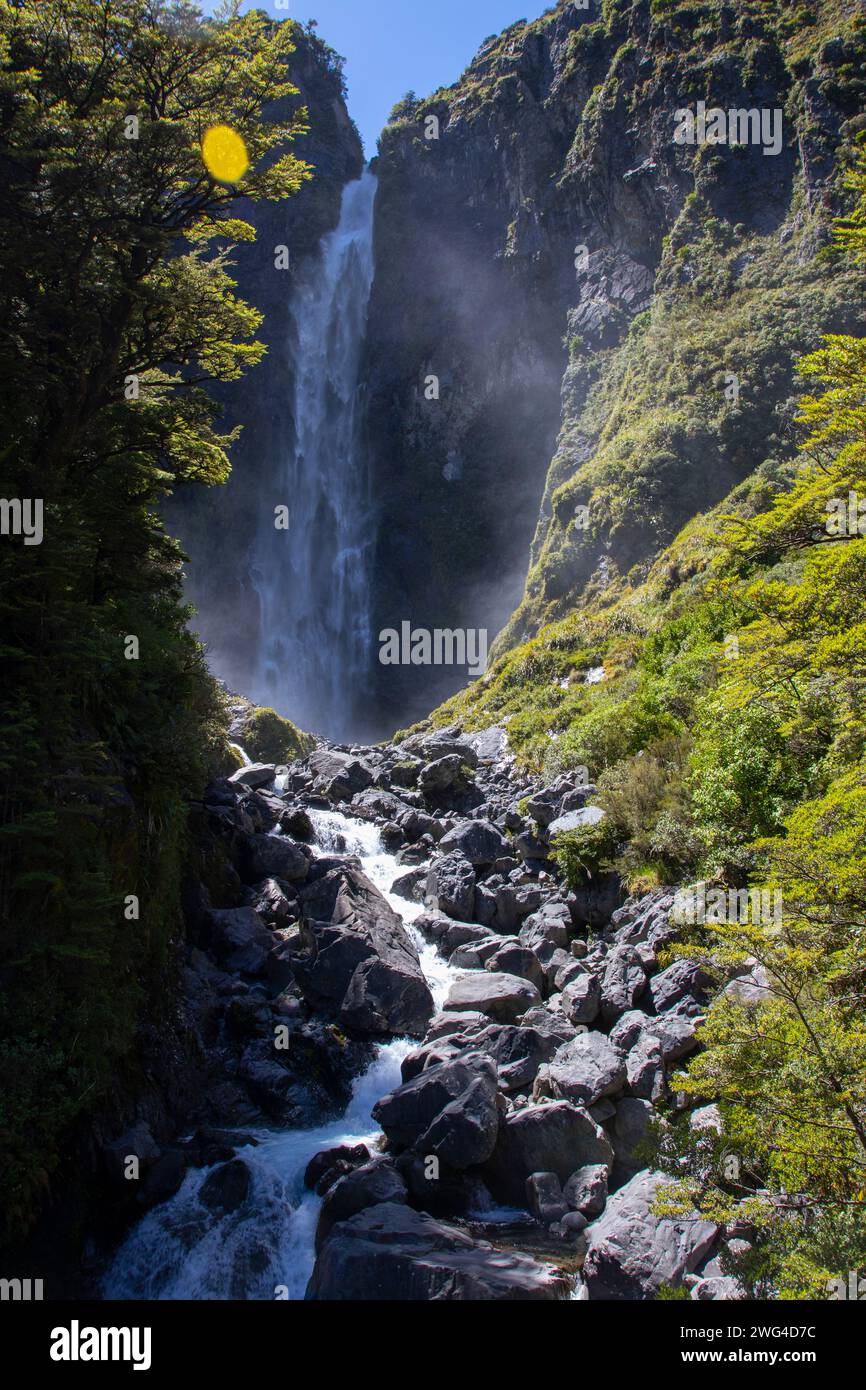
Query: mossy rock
[[269, 738]]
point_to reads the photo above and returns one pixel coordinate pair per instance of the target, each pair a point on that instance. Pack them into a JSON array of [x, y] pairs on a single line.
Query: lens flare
[[225, 154]]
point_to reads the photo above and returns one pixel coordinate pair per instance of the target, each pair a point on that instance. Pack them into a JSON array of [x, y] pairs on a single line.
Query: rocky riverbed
[[427, 1070]]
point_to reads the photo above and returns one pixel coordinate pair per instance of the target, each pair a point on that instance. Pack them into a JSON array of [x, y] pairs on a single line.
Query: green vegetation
[[269, 738], [729, 743], [117, 311]]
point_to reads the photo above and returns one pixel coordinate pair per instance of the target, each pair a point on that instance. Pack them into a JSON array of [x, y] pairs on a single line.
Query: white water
[[182, 1250], [312, 580]]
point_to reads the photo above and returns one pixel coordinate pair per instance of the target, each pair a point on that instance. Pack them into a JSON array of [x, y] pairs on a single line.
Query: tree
[[117, 309]]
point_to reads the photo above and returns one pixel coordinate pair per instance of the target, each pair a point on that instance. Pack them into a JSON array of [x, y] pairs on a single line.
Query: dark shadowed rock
[[390, 1253], [451, 887], [272, 856], [544, 1198], [449, 1110], [239, 939], [359, 959], [551, 1138], [364, 1187], [227, 1187]]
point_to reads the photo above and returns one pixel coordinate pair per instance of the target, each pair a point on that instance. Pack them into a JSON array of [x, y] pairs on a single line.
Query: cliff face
[[563, 266], [222, 522]]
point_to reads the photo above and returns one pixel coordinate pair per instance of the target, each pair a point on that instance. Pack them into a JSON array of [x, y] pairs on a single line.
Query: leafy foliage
[[117, 309]]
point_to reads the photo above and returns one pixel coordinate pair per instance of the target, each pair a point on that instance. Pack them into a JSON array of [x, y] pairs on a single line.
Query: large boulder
[[442, 775], [479, 841], [239, 939], [254, 775], [581, 998], [552, 1138], [632, 1252], [684, 982], [517, 1052], [622, 982], [513, 959], [344, 774], [501, 997], [390, 1253], [364, 1187], [587, 1069], [449, 1111], [451, 887], [273, 856], [359, 960]]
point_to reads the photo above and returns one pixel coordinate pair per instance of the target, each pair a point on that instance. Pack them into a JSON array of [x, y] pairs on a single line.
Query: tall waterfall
[[312, 580]]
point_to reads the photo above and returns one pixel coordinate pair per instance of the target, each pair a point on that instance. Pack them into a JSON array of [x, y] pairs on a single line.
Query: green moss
[[269, 738]]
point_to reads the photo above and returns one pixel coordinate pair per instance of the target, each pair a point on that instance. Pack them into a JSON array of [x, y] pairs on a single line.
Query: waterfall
[[313, 579]]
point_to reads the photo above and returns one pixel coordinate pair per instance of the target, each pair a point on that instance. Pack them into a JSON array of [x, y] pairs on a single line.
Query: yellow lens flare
[[225, 154]]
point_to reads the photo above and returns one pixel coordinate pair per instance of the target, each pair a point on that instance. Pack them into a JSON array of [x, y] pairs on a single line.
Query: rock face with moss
[[555, 239]]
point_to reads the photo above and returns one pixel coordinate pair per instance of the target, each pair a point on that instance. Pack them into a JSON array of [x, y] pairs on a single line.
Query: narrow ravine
[[181, 1250]]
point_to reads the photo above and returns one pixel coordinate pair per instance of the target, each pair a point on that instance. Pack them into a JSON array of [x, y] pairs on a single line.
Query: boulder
[[645, 1071], [554, 1137], [390, 1253], [544, 1198], [622, 982], [272, 856], [464, 1090], [513, 959], [254, 776], [587, 1069], [326, 1167], [684, 980], [576, 820], [502, 997], [632, 1252], [345, 773], [451, 887], [441, 776], [359, 960], [364, 1187], [586, 1190], [630, 1134], [226, 1188], [239, 939], [477, 840], [581, 998], [464, 1134], [517, 1052]]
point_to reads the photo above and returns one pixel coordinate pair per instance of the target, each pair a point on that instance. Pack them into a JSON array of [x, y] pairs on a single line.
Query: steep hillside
[[556, 237]]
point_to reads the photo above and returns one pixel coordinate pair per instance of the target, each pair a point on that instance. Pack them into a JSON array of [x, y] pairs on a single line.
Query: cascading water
[[313, 579], [184, 1250]]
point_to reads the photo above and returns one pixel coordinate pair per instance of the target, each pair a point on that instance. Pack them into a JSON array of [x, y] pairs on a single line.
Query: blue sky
[[395, 46]]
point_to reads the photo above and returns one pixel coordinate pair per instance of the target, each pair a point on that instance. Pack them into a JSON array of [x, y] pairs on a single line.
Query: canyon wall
[[586, 290]]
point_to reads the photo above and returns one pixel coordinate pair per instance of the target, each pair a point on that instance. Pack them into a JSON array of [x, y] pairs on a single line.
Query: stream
[[182, 1250]]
